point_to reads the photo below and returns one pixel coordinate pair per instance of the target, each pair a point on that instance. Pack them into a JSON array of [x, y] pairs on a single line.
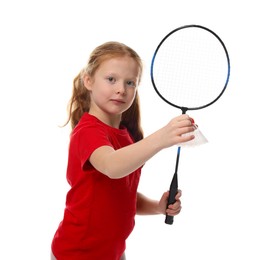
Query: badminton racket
[[190, 70]]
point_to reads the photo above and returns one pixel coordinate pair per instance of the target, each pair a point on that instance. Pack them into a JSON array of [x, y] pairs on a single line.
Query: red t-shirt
[[99, 213]]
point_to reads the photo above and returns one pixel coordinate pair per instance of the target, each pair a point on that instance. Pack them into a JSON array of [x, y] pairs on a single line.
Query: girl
[[106, 153]]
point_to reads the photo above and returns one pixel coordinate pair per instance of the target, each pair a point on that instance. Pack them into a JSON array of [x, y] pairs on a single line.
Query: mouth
[[118, 101]]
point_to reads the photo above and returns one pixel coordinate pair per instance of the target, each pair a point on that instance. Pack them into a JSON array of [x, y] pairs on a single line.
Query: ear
[[87, 81]]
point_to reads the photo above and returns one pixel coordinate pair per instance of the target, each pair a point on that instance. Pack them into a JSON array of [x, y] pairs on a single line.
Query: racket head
[[190, 68]]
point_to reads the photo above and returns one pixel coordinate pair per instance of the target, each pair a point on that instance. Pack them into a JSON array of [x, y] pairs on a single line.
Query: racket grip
[[172, 193], [169, 220]]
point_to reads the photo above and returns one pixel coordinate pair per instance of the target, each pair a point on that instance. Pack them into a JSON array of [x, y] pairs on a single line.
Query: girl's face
[[113, 88]]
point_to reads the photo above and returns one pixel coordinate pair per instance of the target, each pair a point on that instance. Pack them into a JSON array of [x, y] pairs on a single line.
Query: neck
[[111, 120]]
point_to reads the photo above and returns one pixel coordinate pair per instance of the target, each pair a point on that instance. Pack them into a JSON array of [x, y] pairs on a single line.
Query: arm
[[146, 206], [120, 163]]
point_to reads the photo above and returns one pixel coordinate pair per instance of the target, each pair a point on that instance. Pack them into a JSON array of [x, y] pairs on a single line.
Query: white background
[[225, 185]]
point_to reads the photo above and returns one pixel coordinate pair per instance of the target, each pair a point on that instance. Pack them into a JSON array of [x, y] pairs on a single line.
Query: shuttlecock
[[198, 140]]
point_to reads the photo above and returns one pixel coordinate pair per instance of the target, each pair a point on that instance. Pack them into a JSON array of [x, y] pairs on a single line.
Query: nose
[[121, 89]]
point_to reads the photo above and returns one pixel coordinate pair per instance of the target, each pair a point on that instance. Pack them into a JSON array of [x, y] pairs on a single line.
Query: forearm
[[119, 163], [146, 206]]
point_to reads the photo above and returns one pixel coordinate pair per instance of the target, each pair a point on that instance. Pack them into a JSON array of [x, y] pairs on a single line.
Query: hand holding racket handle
[[171, 200], [173, 189]]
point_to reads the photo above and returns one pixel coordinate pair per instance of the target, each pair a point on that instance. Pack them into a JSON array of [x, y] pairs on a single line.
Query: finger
[[175, 206], [185, 122], [181, 138], [186, 117], [171, 212], [178, 195]]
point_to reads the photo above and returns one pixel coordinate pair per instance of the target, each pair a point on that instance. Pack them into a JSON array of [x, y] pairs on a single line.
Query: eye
[[131, 83], [111, 79]]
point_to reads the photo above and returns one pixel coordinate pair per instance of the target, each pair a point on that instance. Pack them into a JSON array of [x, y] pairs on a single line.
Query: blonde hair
[[80, 100]]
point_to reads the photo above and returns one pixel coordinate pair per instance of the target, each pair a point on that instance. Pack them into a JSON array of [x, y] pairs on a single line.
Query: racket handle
[[169, 220], [172, 193]]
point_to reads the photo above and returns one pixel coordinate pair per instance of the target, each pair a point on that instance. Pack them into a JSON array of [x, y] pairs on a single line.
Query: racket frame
[[185, 109]]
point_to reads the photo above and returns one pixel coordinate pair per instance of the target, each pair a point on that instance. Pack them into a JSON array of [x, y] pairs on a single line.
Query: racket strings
[[190, 68]]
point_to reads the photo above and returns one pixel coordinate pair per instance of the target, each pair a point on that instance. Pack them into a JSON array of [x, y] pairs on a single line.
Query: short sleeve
[[88, 139]]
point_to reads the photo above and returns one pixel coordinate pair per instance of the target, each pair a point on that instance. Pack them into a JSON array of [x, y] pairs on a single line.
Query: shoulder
[[88, 135], [88, 123]]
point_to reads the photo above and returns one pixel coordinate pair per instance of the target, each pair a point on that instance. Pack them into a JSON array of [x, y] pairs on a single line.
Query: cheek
[[134, 95], [101, 93], [97, 96]]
